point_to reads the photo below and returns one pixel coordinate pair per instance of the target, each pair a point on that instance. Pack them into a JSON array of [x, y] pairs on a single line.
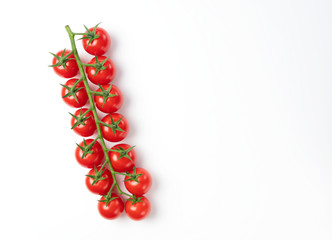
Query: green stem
[[128, 195], [93, 107], [89, 65], [102, 166], [111, 189], [95, 140], [68, 54], [120, 173]]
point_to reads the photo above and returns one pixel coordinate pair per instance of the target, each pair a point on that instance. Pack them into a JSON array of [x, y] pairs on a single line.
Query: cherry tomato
[[138, 210], [101, 77], [100, 187], [122, 160], [71, 65], [93, 155], [113, 101], [143, 183], [114, 208], [86, 124], [98, 46], [115, 128], [70, 94]]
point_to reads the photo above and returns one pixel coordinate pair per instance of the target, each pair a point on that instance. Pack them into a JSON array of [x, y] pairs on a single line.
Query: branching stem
[[93, 107]]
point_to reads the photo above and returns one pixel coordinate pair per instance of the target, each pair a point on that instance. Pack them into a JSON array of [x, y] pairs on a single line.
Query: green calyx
[[98, 175], [61, 59], [134, 176], [104, 93], [91, 35], [114, 125], [72, 90], [133, 199], [99, 66], [123, 152], [86, 148], [80, 119], [107, 198]]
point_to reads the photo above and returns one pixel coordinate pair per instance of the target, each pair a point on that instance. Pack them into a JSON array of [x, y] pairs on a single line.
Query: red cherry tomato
[[89, 160], [122, 160], [116, 129], [79, 92], [113, 100], [103, 76], [71, 65], [98, 46], [89, 126], [100, 187], [113, 209], [143, 183], [138, 210]]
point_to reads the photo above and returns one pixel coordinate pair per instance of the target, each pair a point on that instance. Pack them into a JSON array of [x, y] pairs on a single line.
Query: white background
[[230, 110]]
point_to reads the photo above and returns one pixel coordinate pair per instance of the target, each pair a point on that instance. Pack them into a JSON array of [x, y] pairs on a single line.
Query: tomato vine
[[93, 107], [121, 158]]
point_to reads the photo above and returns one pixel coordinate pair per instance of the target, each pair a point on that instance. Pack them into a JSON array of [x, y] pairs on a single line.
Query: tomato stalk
[[89, 65], [124, 174], [93, 108]]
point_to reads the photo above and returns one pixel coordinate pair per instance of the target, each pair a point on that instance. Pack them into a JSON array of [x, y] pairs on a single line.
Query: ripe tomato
[[123, 157], [71, 68], [70, 94], [89, 154], [138, 210], [114, 127], [83, 123], [103, 76], [96, 186], [113, 209], [110, 98], [139, 183], [98, 46]]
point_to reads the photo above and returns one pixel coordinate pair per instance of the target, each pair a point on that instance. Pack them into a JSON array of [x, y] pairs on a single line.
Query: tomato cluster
[[92, 153]]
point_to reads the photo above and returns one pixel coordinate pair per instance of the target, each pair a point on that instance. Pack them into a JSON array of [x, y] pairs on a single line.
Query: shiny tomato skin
[[90, 126], [123, 164], [71, 66], [101, 187], [100, 45], [81, 95], [113, 209], [112, 104], [107, 131], [91, 159], [103, 76], [142, 186], [139, 210]]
